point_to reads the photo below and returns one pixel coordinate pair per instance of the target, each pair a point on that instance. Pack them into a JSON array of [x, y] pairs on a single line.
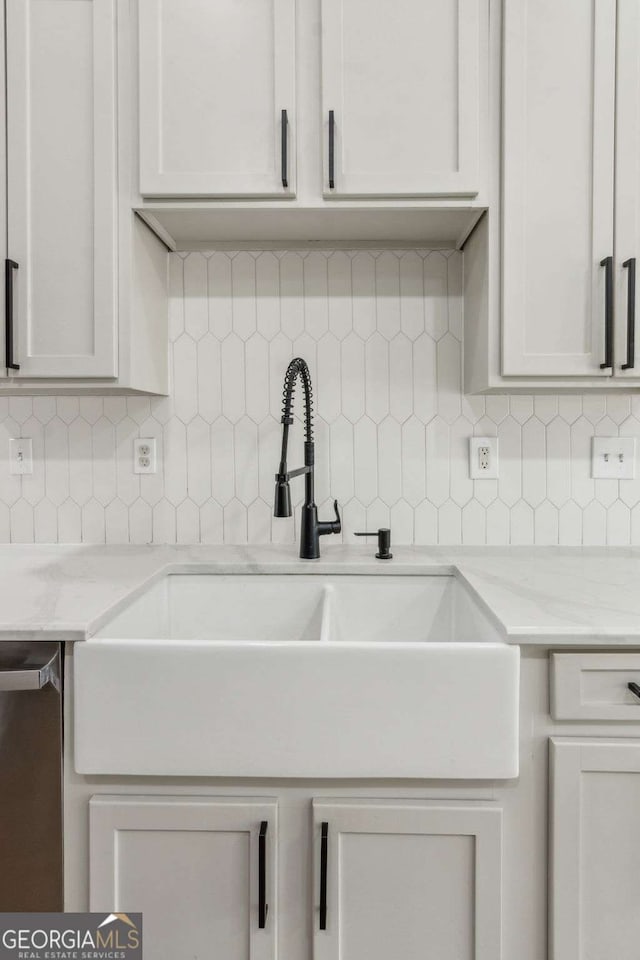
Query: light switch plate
[[21, 456], [613, 458]]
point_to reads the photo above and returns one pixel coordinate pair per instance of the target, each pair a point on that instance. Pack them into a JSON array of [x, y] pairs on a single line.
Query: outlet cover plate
[[483, 458], [144, 455], [613, 458]]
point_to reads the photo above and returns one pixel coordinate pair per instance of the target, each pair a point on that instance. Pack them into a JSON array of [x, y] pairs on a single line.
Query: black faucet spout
[[311, 529]]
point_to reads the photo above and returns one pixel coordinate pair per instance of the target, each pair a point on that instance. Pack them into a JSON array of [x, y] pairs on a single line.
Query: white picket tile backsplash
[[382, 334]]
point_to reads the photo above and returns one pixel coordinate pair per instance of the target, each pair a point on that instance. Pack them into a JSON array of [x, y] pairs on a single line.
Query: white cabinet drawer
[[594, 686]]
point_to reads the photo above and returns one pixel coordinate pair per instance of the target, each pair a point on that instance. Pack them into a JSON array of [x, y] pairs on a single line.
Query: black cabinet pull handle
[[630, 265], [634, 689], [263, 906], [284, 133], [607, 263], [332, 146], [9, 267], [324, 843]]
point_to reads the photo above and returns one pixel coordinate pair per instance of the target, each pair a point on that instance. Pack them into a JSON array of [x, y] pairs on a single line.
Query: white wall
[[381, 332]]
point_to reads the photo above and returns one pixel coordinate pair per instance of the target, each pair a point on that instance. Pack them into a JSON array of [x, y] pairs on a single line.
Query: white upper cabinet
[[401, 88], [86, 303], [558, 176], [551, 299], [234, 97], [61, 171], [215, 78], [627, 202]]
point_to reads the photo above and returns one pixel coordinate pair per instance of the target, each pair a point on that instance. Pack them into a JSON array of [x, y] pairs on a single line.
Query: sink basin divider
[[328, 600]]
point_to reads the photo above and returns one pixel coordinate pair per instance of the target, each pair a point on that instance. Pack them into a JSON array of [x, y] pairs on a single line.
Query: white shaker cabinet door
[[558, 165], [406, 880], [215, 78], [61, 172], [192, 866], [3, 197], [402, 91], [595, 849], [627, 354]]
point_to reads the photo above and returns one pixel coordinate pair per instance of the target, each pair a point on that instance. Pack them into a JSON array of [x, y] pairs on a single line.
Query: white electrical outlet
[[21, 456], [613, 458], [483, 458], [144, 455]]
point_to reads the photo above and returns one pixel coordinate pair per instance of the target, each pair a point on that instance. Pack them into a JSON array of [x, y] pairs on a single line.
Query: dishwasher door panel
[[31, 878]]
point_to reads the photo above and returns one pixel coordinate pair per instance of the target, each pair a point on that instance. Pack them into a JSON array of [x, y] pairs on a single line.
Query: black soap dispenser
[[384, 542]]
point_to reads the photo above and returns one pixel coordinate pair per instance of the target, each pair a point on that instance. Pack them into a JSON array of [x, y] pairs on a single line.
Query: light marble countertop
[[547, 596]]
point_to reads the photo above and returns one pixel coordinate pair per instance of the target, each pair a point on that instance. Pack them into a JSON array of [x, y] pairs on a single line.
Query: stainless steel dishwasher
[[31, 876]]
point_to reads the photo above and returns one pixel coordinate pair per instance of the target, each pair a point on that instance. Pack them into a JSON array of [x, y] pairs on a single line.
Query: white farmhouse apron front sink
[[298, 676]]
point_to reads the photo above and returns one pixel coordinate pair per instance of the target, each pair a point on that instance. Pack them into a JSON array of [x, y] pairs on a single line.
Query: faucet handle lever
[[330, 526]]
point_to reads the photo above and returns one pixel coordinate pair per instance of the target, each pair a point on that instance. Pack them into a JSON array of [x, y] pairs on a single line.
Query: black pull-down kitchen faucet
[[311, 529]]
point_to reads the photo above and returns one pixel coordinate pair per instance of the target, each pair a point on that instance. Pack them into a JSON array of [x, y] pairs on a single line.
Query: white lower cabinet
[[595, 849], [407, 880], [391, 878], [201, 870], [374, 877]]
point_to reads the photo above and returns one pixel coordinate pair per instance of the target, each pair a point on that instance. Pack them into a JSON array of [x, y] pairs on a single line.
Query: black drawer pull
[[263, 906], [9, 267], [607, 263], [630, 265], [332, 149], [634, 689], [284, 133], [324, 843]]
